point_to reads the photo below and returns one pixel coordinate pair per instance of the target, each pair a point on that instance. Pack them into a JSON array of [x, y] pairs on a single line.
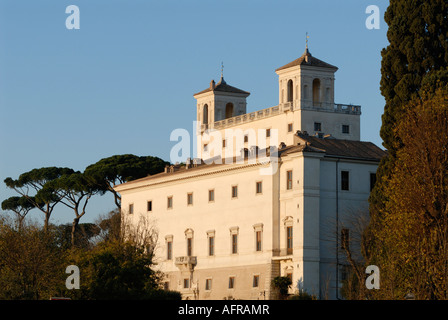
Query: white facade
[[226, 230]]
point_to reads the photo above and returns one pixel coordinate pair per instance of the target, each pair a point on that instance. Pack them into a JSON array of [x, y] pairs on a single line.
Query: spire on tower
[[306, 40], [222, 73]]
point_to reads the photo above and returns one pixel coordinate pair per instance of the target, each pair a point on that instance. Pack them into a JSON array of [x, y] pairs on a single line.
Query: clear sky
[[123, 81]]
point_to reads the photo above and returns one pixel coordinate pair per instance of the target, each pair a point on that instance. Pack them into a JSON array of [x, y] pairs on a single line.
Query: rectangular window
[[255, 281], [259, 187], [224, 143], [345, 239], [211, 246], [372, 180], [131, 208], [166, 285], [208, 284], [211, 195], [231, 282], [289, 180], [169, 250], [234, 191], [234, 243], [246, 138], [189, 247], [268, 133], [258, 240], [169, 202], [190, 199], [186, 283], [149, 206], [345, 128], [317, 126], [289, 127], [289, 243], [345, 180]]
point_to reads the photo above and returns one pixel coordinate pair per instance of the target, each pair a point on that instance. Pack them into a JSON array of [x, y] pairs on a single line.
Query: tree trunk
[[74, 227]]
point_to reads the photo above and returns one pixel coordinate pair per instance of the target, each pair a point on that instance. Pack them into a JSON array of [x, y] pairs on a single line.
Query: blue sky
[[123, 81]]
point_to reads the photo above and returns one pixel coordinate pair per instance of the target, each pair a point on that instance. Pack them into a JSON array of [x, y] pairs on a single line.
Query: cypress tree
[[418, 48], [414, 65], [415, 60]]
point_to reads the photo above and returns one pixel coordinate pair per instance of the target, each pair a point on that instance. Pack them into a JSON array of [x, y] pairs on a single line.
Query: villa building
[[277, 206]]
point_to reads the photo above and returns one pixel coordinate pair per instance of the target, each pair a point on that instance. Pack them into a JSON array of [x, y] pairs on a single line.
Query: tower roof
[[308, 60], [222, 86]]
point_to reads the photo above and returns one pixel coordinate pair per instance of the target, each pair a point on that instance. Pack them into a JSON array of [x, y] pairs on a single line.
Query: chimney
[[212, 84]]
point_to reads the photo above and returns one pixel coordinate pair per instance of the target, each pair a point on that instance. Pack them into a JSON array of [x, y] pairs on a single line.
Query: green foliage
[[418, 47], [20, 206], [302, 295], [415, 61], [45, 199], [33, 260], [409, 237], [33, 263], [74, 191], [84, 234], [282, 284], [118, 169], [17, 204], [414, 67], [30, 263], [37, 178], [115, 270]]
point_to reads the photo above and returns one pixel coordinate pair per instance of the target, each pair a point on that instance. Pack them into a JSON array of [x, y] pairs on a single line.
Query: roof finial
[[222, 74], [307, 37]]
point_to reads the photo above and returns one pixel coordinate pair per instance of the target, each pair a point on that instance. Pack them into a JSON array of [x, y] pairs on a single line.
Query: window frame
[[208, 284], [231, 282], [234, 243], [289, 240], [189, 246], [256, 281], [212, 193], [258, 240], [189, 197], [234, 193], [169, 249], [211, 245], [289, 180], [345, 181], [259, 187], [187, 283]]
